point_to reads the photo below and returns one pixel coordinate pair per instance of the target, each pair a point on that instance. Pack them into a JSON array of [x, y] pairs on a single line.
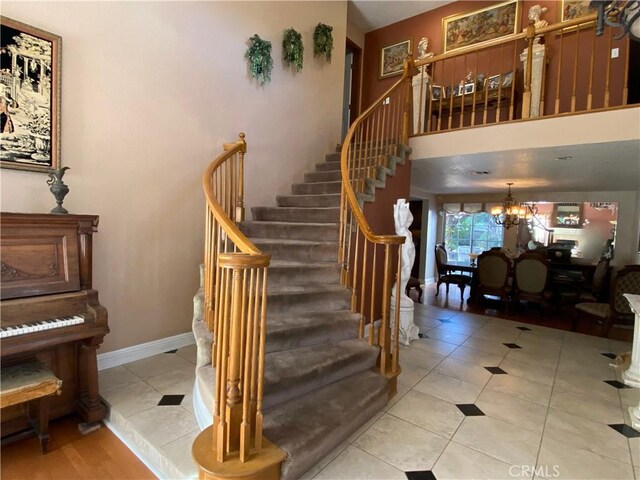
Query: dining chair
[[445, 274], [531, 278], [617, 310], [493, 275]]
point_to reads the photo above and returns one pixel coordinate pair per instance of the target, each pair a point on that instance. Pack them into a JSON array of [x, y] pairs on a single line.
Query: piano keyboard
[[40, 326]]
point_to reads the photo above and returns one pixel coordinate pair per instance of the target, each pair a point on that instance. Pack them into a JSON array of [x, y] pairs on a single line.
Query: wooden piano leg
[[43, 427], [88, 404]]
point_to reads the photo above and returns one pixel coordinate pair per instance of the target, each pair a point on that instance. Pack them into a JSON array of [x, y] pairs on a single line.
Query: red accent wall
[[429, 24]]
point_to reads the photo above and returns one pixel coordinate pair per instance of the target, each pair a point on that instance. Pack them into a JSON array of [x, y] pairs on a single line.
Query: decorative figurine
[[58, 188]]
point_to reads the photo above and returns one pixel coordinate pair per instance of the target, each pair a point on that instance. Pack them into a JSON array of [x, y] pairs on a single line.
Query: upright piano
[[49, 310]]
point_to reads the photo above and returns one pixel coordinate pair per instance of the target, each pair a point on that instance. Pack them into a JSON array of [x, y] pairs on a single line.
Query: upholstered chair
[[617, 310], [531, 278], [445, 274], [493, 275]]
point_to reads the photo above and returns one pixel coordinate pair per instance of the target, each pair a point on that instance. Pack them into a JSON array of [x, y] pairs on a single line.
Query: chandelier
[[621, 14], [510, 213]]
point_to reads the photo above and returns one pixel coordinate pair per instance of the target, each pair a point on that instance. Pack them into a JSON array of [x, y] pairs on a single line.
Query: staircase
[[320, 381]]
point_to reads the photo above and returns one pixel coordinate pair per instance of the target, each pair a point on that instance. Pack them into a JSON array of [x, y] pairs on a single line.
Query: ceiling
[[613, 166], [372, 14]]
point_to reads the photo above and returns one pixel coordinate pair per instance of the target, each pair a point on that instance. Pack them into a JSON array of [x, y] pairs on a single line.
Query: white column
[[421, 94], [537, 67], [631, 376]]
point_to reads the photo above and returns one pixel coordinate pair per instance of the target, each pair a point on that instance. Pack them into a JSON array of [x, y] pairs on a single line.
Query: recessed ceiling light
[[481, 172], [568, 157]]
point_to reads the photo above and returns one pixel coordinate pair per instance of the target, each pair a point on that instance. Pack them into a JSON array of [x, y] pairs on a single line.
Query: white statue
[[422, 49], [403, 219], [535, 14]]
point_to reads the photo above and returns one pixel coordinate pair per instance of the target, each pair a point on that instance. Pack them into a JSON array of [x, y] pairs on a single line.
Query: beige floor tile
[[588, 385], [411, 374], [116, 377], [188, 353], [498, 334], [573, 463], [131, 399], [583, 433], [536, 356], [178, 381], [521, 388], [471, 355], [448, 389], [161, 427], [401, 390], [420, 358], [434, 346], [530, 371], [630, 397], [486, 345], [458, 328], [353, 437], [499, 439], [431, 413], [587, 406], [158, 365], [326, 460], [465, 318], [178, 452], [355, 464], [467, 372], [634, 446], [458, 462], [401, 444], [446, 336], [513, 410]]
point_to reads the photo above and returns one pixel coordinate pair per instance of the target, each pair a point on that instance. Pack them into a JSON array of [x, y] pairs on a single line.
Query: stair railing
[[235, 290], [373, 138]]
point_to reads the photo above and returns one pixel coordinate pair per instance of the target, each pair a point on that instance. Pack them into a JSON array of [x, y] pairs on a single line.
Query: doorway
[[351, 97]]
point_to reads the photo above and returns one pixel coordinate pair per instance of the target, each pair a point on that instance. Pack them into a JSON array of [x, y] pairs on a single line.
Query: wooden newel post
[[526, 96], [384, 335], [407, 76], [234, 396]]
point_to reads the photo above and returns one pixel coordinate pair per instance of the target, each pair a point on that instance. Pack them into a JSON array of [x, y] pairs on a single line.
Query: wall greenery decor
[[323, 41], [260, 62], [292, 49]]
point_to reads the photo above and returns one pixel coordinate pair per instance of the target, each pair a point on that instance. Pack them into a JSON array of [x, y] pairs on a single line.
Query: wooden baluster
[[354, 296], [372, 295], [608, 75], [256, 353], [442, 93], [513, 80], [462, 98], [473, 98], [453, 76], [429, 109], [625, 90], [421, 99], [575, 72], [349, 275], [343, 242], [263, 333], [557, 103], [591, 70], [499, 101], [526, 96], [221, 378], [362, 287], [384, 334], [407, 93], [383, 136], [240, 198], [245, 427]]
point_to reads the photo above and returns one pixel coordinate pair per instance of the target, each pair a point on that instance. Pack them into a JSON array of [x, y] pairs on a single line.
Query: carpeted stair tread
[[287, 299], [322, 200], [297, 214], [309, 427], [332, 157], [299, 289], [298, 250], [287, 332], [296, 272], [327, 166], [316, 188], [330, 176], [292, 230], [291, 373]]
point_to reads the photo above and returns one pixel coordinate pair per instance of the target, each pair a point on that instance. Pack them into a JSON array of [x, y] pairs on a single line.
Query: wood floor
[[561, 318], [98, 455]]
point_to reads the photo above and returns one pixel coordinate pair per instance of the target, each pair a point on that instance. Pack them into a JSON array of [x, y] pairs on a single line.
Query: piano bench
[[24, 383]]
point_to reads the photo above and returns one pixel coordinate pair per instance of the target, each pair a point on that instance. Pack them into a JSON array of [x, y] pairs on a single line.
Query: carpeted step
[[309, 427], [331, 176], [332, 157], [321, 232], [316, 188], [286, 332], [298, 250], [327, 166], [324, 200], [296, 214], [282, 272], [292, 373], [293, 299]]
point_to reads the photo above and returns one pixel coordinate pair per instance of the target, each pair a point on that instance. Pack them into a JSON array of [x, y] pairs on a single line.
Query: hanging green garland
[[292, 49], [260, 61], [323, 41]]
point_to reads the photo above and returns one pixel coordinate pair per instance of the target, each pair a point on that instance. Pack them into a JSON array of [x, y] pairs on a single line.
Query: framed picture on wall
[[29, 97], [572, 9], [437, 93], [478, 26], [392, 58], [567, 215]]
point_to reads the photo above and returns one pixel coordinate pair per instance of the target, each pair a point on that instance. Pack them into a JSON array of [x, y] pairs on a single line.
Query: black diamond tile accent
[[445, 321], [469, 409], [616, 383], [524, 329], [422, 335], [609, 355], [496, 370], [512, 345], [170, 400], [421, 475], [625, 430], [172, 351]]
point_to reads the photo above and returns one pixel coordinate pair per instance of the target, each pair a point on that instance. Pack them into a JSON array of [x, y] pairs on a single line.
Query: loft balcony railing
[[555, 70]]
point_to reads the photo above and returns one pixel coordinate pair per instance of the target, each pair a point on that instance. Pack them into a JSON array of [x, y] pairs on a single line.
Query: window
[[465, 233]]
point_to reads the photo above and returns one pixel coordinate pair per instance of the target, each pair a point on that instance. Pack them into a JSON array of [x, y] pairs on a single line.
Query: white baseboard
[[144, 350]]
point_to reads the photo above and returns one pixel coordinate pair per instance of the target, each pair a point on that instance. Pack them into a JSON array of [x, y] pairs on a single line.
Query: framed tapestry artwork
[[392, 58], [572, 9], [474, 28], [29, 97]]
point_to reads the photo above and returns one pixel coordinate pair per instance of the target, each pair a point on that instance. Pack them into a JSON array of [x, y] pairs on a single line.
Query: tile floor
[[479, 397]]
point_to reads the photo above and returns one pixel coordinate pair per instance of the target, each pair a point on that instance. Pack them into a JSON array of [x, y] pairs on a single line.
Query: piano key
[[41, 325]]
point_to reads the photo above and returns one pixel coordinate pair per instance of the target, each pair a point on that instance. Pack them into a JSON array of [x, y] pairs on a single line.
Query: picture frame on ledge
[[479, 26], [437, 93], [29, 97], [392, 58]]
